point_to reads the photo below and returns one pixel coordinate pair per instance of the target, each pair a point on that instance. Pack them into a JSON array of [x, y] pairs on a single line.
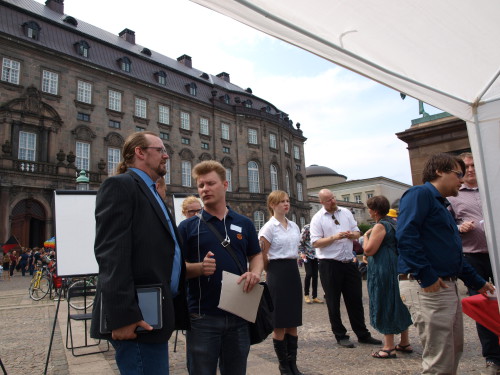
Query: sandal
[[388, 352], [404, 348]]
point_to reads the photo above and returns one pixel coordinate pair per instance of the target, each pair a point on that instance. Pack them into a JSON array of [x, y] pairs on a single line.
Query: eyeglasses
[[161, 150], [194, 211], [335, 219], [459, 174]]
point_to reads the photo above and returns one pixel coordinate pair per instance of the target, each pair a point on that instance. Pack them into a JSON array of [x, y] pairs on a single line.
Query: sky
[[349, 121]]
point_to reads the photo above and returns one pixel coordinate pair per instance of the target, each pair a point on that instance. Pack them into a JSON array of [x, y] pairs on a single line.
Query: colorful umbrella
[[51, 243]]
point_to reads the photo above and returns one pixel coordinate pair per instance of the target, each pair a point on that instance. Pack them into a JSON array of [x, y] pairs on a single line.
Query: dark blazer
[[134, 246]]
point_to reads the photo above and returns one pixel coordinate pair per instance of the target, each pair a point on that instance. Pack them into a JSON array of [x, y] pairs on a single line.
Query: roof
[[315, 170]]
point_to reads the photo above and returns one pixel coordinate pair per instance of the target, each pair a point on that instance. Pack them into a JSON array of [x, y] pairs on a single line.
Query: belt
[[404, 276]]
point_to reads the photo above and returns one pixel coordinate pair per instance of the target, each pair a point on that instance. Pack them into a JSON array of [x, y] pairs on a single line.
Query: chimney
[[56, 5], [186, 60], [224, 76], [128, 35]]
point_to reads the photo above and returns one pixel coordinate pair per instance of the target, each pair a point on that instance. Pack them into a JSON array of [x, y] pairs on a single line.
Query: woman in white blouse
[[279, 239]]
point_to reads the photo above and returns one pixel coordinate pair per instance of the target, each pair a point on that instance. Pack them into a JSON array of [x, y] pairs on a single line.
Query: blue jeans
[[137, 358], [217, 338]]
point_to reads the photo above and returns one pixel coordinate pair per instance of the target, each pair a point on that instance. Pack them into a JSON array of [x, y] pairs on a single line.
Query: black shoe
[[370, 340], [345, 343]]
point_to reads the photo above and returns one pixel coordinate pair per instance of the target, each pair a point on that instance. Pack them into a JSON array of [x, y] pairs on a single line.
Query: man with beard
[[137, 244], [430, 260], [468, 213]]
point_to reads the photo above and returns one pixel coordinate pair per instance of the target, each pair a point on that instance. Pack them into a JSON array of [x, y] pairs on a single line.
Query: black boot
[[291, 348], [280, 349]]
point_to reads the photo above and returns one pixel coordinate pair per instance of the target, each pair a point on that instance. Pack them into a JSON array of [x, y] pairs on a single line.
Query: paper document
[[235, 301]]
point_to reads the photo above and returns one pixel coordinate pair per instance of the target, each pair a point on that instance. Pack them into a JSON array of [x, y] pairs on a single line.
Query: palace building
[[71, 93]]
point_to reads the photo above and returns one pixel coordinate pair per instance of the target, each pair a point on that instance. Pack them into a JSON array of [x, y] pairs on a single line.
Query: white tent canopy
[[441, 52]]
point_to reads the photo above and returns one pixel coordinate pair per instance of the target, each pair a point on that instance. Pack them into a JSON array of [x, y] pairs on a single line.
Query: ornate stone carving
[[61, 156], [83, 133], [114, 140], [71, 159]]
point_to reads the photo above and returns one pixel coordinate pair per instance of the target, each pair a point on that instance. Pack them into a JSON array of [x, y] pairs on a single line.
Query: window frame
[[113, 163], [50, 82], [296, 152], [258, 220], [273, 141], [163, 114], [252, 136], [27, 139], [12, 72], [84, 92], [204, 126], [140, 107], [82, 160], [225, 131], [185, 120], [253, 177], [185, 174], [274, 177], [114, 100]]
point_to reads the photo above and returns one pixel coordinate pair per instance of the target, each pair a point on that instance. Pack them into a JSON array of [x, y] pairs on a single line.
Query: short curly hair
[[441, 162]]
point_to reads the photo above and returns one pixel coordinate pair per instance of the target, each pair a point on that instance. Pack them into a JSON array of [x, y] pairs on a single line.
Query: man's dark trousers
[[338, 278]]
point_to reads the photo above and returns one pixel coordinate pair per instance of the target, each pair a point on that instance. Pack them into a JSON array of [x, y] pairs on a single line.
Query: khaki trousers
[[438, 319]]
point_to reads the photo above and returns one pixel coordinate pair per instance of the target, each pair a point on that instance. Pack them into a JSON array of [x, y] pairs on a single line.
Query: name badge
[[235, 228]]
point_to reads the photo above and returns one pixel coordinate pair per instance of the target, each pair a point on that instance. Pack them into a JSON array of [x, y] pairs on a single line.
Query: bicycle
[[83, 301], [41, 284]]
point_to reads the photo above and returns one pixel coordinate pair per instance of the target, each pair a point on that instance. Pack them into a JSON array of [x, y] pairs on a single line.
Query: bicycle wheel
[[41, 290], [81, 302]]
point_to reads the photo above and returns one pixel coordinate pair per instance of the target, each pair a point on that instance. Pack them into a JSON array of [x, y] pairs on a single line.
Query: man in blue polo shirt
[[217, 336], [430, 260]]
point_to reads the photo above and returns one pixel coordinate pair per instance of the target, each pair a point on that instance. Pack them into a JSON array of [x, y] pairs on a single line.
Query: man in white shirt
[[333, 230]]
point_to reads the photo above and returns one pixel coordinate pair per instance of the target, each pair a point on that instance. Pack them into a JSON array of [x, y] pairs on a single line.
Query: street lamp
[[82, 181]]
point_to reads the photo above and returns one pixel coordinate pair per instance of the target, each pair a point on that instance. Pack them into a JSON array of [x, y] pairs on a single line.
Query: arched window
[[253, 177], [300, 195], [82, 48], [229, 180], [161, 77], [294, 218], [186, 173], [274, 178], [32, 30], [258, 220], [125, 64]]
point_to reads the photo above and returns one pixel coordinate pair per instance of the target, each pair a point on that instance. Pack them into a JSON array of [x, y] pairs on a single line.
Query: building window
[[139, 129], [185, 121], [164, 136], [258, 220], [226, 99], [32, 30], [140, 108], [274, 178], [272, 141], [287, 183], [125, 64], [286, 147], [115, 100], [294, 218], [248, 103], [300, 195], [49, 82], [252, 136], [357, 198], [161, 77], [82, 155], [226, 150], [185, 141], [83, 117], [296, 152], [302, 222], [191, 88], [167, 175], [10, 71], [253, 177], [27, 146], [369, 195], [114, 124], [163, 114], [113, 160], [204, 145], [186, 173], [84, 92], [229, 179], [204, 126], [82, 48], [345, 198], [225, 131], [297, 167]]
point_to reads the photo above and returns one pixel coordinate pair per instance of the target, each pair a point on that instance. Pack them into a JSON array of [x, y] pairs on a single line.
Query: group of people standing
[[137, 243], [24, 262]]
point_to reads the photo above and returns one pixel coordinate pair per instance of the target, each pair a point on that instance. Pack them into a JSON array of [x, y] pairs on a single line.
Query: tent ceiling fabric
[[441, 52], [419, 47]]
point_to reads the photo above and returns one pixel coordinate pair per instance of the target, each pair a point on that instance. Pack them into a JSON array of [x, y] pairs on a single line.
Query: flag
[[10, 244]]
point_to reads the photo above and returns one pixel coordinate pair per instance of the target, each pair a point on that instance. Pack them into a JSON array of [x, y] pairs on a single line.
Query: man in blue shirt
[[217, 336], [430, 260]]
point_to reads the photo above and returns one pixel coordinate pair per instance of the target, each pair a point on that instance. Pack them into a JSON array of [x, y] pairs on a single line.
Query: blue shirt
[[176, 267], [428, 240], [204, 291]]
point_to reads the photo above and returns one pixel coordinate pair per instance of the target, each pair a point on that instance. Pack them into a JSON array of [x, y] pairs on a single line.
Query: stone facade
[[71, 93]]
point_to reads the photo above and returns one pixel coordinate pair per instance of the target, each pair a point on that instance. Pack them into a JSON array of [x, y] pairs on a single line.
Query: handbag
[[263, 325]]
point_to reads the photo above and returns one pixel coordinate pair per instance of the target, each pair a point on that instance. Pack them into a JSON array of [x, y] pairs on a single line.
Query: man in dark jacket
[[137, 244]]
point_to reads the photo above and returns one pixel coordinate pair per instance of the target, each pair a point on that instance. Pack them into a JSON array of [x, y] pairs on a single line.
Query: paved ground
[[26, 327]]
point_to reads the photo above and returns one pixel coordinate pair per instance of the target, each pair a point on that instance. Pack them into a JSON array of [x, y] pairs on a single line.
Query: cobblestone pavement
[[24, 344]]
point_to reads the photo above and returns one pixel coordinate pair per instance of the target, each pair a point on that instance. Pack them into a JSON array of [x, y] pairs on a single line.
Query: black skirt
[[284, 283]]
